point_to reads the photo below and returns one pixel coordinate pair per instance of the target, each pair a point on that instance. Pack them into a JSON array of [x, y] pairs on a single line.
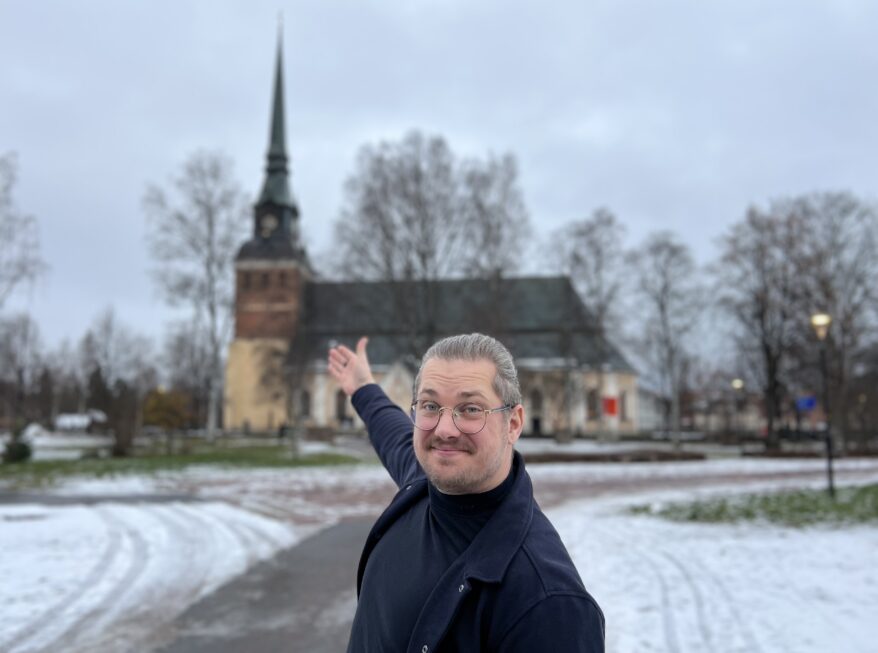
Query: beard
[[452, 477]]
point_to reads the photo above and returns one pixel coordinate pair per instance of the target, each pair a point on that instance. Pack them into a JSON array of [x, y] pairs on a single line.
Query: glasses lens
[[468, 418], [425, 415]]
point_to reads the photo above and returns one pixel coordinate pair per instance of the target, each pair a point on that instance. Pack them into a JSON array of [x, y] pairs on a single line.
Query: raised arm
[[390, 429]]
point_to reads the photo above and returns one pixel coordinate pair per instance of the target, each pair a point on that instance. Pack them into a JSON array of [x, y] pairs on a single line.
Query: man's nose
[[446, 428]]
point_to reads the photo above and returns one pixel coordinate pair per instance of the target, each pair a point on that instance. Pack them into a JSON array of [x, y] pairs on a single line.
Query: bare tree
[[401, 219], [20, 365], [757, 284], [496, 222], [20, 260], [838, 269], [671, 301], [119, 365], [414, 214], [188, 367], [590, 251], [69, 380], [195, 229]]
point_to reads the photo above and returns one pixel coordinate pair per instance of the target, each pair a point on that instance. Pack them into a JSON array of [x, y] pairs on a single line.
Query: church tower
[[271, 270]]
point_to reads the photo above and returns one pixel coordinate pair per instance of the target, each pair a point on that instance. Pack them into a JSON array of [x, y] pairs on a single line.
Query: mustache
[[439, 443]]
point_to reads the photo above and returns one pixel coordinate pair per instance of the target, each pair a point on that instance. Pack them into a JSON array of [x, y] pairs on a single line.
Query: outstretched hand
[[350, 369]]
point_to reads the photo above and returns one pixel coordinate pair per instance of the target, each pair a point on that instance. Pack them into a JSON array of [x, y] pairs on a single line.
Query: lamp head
[[821, 322]]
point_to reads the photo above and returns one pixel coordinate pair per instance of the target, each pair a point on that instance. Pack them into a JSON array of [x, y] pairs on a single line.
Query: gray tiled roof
[[536, 317]]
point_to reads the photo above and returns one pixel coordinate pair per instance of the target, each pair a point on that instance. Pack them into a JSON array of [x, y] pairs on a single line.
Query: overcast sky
[[676, 115]]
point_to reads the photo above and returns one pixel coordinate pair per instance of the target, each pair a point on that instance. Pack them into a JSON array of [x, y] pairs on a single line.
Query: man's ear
[[516, 423]]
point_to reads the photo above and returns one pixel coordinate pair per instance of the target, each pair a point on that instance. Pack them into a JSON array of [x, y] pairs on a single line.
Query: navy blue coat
[[514, 589]]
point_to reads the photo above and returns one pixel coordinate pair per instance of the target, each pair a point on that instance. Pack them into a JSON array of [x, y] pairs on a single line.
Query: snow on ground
[[748, 587], [102, 577]]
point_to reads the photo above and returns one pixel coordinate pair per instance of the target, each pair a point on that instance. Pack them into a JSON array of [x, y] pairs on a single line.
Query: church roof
[[537, 318]]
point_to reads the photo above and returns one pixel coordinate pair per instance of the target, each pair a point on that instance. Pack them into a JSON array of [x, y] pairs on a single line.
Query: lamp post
[[821, 322], [738, 386]]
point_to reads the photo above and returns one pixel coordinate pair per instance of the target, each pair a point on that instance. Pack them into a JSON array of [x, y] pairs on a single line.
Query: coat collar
[[489, 554]]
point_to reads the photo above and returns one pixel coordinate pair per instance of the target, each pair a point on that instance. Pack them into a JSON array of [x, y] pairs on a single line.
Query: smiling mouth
[[448, 451]]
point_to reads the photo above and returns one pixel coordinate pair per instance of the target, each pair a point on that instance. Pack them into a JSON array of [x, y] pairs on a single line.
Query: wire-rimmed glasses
[[469, 418]]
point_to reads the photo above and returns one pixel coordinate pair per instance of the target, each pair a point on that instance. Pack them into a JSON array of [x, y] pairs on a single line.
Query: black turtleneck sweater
[[410, 558]]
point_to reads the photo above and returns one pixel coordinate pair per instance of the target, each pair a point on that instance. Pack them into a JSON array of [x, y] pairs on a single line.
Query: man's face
[[455, 462]]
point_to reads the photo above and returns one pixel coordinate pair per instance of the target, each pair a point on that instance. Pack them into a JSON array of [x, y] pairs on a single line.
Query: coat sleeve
[[560, 623], [390, 431]]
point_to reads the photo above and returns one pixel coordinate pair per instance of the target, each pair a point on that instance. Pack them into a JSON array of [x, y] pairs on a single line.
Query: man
[[462, 559]]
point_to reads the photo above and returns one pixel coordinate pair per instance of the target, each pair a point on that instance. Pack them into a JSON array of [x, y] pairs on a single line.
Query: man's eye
[[429, 406], [471, 410]]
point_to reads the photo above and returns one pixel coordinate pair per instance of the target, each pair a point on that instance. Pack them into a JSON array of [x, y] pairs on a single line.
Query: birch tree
[[195, 228]]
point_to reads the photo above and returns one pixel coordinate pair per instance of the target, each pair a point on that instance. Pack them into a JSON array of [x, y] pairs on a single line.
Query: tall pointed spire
[[276, 189]]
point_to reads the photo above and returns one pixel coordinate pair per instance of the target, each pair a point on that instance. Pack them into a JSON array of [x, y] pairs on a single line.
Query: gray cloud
[[675, 114]]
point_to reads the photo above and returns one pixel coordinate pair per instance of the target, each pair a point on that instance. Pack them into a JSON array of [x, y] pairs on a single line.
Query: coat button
[[460, 589], [409, 487], [425, 648]]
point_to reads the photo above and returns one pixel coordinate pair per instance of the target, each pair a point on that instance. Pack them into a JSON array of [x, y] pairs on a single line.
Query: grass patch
[[792, 508], [46, 472]]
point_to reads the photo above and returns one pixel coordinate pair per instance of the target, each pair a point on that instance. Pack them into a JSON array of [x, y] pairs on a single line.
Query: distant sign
[[611, 406], [806, 404]]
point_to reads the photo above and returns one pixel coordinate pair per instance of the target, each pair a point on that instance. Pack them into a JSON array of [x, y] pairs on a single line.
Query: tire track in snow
[[216, 525], [744, 629], [669, 626], [658, 560], [94, 620], [702, 620], [97, 573], [139, 622]]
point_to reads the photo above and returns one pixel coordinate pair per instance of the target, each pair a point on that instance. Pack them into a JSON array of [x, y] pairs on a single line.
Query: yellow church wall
[[249, 404]]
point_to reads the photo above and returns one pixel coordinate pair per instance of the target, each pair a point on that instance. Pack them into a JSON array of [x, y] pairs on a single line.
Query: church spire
[[276, 189]]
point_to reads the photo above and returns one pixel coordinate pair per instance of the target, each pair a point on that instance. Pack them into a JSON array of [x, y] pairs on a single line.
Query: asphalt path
[[302, 599]]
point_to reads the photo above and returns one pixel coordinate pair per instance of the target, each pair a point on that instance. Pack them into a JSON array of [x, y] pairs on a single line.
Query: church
[[574, 382]]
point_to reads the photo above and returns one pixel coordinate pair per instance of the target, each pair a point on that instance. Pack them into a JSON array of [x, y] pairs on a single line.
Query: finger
[[361, 347], [339, 357]]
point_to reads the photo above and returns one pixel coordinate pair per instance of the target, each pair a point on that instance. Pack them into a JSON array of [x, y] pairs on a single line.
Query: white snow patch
[[667, 586], [103, 577]]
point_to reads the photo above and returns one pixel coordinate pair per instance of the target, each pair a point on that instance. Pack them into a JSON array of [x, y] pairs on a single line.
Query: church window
[[592, 400], [245, 280], [304, 404], [536, 401], [265, 279], [341, 406], [283, 279]]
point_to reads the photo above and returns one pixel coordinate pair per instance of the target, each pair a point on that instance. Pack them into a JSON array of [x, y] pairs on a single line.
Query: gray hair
[[477, 347]]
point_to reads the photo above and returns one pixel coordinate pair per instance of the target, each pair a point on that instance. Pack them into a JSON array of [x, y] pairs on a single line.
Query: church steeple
[[275, 214], [276, 189]]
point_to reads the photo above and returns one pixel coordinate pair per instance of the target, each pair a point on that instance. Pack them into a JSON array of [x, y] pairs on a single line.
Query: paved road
[[303, 599]]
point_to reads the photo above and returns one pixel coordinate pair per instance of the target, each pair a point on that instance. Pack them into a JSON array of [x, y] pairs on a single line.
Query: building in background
[[573, 381]]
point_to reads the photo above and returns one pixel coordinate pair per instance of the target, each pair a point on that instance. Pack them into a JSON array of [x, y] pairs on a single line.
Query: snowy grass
[[790, 508], [41, 473]]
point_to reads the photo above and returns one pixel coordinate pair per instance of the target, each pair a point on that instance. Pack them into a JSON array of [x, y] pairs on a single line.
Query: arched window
[[592, 403], [341, 406], [304, 404], [536, 401]]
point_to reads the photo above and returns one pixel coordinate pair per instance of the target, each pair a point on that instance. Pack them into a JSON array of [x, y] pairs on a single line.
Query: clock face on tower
[[267, 224]]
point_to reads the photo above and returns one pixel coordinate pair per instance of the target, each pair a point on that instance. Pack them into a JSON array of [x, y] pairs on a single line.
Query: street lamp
[[821, 322], [737, 386]]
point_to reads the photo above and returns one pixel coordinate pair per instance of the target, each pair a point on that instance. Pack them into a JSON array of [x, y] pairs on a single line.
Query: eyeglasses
[[468, 418]]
